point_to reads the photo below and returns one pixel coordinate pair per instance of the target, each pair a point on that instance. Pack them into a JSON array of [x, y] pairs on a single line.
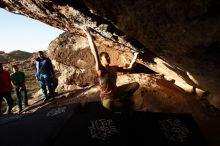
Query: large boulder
[[72, 57]]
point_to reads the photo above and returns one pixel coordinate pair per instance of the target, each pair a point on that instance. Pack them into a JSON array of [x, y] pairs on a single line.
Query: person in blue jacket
[[44, 74]]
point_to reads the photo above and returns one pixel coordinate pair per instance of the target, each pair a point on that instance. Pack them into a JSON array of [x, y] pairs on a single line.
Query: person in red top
[[112, 97], [5, 88]]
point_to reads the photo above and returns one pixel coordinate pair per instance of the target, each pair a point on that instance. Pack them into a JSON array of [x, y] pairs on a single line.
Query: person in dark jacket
[[44, 74], [5, 88], [18, 81]]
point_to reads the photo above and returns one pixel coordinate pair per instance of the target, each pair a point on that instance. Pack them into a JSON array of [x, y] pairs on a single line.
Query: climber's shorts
[[121, 99]]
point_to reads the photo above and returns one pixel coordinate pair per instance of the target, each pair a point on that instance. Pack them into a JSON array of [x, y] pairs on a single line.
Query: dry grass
[[32, 84]]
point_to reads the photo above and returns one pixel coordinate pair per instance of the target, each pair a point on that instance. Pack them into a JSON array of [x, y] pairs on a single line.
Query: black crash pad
[[36, 129], [97, 126], [94, 125]]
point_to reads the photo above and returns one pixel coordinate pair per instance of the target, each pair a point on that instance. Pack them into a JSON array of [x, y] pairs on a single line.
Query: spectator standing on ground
[[44, 74], [5, 88], [18, 81]]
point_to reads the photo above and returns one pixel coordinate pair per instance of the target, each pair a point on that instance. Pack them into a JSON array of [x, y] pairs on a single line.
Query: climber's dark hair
[[103, 54]]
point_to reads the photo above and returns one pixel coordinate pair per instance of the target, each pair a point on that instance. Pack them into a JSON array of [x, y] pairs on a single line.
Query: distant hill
[[14, 56]]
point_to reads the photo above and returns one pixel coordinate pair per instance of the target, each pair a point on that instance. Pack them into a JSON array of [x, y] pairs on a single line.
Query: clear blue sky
[[18, 32]]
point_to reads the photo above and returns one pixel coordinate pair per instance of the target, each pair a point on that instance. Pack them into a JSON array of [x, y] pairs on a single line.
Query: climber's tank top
[[107, 82]]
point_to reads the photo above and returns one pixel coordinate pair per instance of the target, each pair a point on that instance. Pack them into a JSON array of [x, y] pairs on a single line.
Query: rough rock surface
[[183, 35], [73, 60]]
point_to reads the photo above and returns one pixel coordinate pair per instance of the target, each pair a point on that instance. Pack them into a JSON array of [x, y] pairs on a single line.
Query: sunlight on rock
[[192, 78]]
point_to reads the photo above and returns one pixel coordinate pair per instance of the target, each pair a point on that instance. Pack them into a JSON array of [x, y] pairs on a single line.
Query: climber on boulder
[[112, 97]]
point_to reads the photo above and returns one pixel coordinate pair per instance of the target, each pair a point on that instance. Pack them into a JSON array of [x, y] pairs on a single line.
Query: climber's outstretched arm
[[128, 67], [133, 60], [93, 49]]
